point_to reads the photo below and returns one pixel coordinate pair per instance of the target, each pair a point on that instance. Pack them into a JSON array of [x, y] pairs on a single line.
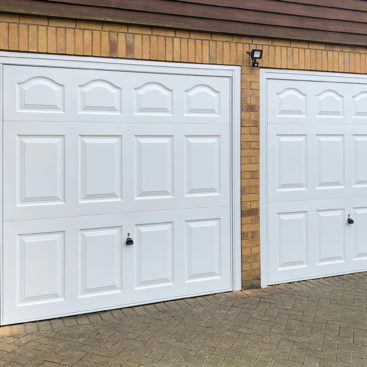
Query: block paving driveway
[[311, 323]]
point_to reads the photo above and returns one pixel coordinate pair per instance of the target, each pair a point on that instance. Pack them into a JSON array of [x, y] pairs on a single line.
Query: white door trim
[[233, 72], [265, 75], [1, 183], [236, 178]]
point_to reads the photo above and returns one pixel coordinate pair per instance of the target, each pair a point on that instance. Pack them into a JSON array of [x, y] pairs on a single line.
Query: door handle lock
[[350, 220], [129, 240]]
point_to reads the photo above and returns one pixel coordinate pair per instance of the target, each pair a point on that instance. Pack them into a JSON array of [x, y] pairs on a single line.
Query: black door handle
[[129, 240], [350, 220]]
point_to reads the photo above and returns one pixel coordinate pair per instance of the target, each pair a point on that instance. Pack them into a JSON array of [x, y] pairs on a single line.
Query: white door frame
[[233, 72], [265, 75]]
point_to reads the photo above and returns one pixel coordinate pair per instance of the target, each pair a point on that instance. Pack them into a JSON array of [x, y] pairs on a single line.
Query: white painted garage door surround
[[313, 175], [96, 151]]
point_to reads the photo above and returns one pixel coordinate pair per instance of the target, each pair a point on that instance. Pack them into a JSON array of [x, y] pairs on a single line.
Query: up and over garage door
[[314, 175], [117, 187]]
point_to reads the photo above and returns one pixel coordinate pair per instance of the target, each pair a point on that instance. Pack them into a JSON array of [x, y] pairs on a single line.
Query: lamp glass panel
[[257, 54]]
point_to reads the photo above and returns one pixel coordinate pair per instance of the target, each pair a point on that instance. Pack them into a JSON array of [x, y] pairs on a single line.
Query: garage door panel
[[56, 266], [293, 230], [203, 249], [98, 171], [289, 241], [289, 101], [100, 168], [92, 157], [177, 99], [40, 273], [38, 94], [100, 264], [34, 270], [293, 240], [289, 166], [180, 166], [154, 262], [359, 110], [153, 98], [83, 170], [330, 103], [316, 178], [358, 232], [88, 266], [154, 166], [99, 97], [291, 162], [359, 167], [312, 162], [206, 100], [187, 255], [330, 161], [36, 170], [203, 165], [206, 233], [360, 239], [41, 176], [327, 102], [202, 99], [206, 168], [331, 236], [54, 94]]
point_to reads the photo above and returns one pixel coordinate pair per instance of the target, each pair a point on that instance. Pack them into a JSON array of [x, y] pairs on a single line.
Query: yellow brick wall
[[86, 38]]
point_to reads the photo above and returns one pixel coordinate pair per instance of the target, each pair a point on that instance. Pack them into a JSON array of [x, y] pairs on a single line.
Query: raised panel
[[360, 240], [360, 105], [291, 162], [154, 255], [292, 103], [153, 99], [100, 261], [202, 165], [99, 97], [331, 236], [41, 95], [100, 168], [203, 249], [40, 178], [330, 104], [359, 160], [41, 267], [293, 240], [202, 100], [154, 167], [330, 161]]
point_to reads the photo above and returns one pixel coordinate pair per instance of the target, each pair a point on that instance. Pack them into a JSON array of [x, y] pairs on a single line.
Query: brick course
[[87, 38]]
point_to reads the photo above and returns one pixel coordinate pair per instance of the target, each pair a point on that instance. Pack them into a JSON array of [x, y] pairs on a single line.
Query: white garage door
[[316, 175], [92, 157]]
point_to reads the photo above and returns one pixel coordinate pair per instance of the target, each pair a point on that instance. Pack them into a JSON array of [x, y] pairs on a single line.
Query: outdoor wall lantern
[[255, 55]]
